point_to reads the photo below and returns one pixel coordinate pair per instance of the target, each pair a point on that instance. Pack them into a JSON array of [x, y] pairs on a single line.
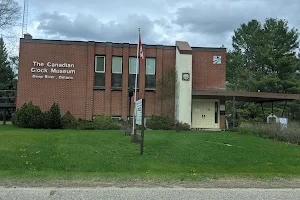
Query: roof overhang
[[258, 97]]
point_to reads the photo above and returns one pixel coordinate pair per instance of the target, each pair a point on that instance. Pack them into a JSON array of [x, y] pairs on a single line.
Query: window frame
[[112, 66], [154, 66], [103, 64]]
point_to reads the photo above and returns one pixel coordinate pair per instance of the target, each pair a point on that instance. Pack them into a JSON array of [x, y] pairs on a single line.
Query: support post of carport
[[262, 108], [283, 109], [234, 112], [272, 107]]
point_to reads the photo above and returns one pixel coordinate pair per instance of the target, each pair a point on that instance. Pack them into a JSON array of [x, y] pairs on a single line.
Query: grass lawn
[[68, 154]]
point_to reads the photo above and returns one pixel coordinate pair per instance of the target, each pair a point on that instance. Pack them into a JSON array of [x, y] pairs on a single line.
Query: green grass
[[69, 154]]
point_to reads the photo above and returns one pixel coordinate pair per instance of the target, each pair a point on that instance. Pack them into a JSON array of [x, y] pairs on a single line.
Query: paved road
[[146, 193]]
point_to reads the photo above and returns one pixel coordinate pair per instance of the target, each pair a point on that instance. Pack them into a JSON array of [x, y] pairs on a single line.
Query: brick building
[[92, 78]]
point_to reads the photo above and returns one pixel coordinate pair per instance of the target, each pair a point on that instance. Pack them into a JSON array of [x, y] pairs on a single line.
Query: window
[[117, 63], [117, 118], [150, 73], [100, 64], [99, 76], [150, 66], [216, 112], [132, 65], [132, 70], [116, 79]]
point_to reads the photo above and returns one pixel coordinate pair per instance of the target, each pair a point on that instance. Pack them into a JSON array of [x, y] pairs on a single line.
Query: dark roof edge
[[74, 42], [69, 42], [209, 49], [262, 95]]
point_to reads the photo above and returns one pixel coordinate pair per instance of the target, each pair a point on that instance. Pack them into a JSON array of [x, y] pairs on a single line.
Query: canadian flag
[[141, 50]]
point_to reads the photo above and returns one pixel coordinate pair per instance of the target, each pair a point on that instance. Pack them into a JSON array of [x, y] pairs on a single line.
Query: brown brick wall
[[150, 103], [205, 74], [222, 122], [69, 94], [169, 63], [116, 105], [90, 80], [78, 95], [99, 105], [125, 101]]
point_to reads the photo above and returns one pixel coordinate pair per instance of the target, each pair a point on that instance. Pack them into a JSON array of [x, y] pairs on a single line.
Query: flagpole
[[135, 87]]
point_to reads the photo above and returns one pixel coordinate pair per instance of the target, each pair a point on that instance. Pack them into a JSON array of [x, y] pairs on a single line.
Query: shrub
[[183, 126], [68, 121], [28, 116], [162, 122], [52, 118], [105, 122], [86, 125], [290, 134]]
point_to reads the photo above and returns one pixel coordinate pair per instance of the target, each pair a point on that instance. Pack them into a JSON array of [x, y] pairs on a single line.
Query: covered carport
[[257, 97]]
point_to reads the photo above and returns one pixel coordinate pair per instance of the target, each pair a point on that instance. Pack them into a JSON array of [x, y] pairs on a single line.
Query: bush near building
[[68, 121], [28, 116], [31, 116], [290, 133], [183, 126], [160, 122], [52, 118]]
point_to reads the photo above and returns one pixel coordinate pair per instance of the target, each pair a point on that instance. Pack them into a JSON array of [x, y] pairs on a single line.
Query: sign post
[[140, 120]]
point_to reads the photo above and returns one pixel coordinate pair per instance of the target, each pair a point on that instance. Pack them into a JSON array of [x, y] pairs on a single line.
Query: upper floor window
[[150, 66], [132, 65], [99, 77], [132, 72], [150, 73], [100, 64], [117, 64]]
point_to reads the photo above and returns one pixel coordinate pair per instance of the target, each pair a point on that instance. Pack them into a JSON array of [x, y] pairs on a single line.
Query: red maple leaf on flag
[[141, 50]]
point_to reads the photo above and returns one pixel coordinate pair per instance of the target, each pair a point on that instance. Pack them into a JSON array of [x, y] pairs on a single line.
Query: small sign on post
[[283, 122], [140, 120]]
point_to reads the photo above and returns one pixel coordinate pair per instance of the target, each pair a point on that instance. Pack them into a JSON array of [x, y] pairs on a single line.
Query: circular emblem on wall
[[185, 76]]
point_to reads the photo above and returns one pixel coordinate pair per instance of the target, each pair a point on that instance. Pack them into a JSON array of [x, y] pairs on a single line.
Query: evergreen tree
[[7, 76], [264, 58], [267, 54]]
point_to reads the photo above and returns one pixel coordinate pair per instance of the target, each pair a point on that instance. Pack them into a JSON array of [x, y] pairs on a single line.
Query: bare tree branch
[[10, 13]]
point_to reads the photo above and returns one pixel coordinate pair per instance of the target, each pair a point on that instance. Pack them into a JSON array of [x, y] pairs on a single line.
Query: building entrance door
[[203, 114]]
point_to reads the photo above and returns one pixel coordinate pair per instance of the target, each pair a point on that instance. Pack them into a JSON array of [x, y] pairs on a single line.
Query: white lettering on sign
[[49, 77], [58, 71], [49, 64], [56, 68], [139, 111], [39, 77], [66, 77], [37, 64], [33, 70]]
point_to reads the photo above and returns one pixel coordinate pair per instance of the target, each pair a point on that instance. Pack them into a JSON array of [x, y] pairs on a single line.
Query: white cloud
[[201, 23]]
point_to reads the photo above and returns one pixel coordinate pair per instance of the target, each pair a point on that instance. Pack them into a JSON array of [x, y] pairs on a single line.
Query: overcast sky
[[208, 23]]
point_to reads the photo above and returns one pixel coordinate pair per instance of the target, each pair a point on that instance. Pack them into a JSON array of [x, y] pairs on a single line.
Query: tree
[[14, 63], [268, 53], [167, 85], [10, 13], [7, 76], [264, 58]]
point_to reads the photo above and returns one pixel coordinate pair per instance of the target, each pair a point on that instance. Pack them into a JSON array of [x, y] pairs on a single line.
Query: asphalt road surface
[[147, 193]]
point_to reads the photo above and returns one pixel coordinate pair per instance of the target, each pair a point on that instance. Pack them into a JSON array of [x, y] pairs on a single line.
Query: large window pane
[[100, 64], [150, 66], [117, 64], [132, 65]]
